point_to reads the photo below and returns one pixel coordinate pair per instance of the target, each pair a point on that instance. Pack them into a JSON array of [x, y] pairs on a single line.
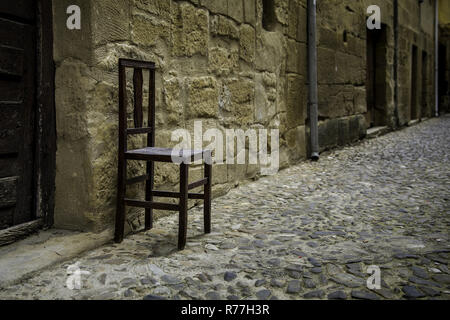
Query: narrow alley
[[310, 231]]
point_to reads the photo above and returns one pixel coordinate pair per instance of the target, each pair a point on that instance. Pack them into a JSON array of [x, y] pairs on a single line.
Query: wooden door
[[18, 32], [424, 105], [443, 84], [370, 78], [414, 88]]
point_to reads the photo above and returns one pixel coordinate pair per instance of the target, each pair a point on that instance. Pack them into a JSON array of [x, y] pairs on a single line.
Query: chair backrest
[[138, 115]]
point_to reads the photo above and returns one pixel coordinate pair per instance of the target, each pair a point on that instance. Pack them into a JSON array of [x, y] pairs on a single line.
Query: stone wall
[[230, 63], [415, 28], [341, 71]]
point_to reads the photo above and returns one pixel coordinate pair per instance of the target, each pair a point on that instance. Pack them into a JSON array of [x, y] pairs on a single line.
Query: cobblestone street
[[310, 231]]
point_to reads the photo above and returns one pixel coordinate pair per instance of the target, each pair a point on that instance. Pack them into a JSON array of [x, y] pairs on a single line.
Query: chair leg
[[182, 226], [207, 199], [120, 209], [148, 195]]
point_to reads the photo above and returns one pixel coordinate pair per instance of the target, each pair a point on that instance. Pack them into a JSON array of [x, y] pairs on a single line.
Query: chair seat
[[162, 154]]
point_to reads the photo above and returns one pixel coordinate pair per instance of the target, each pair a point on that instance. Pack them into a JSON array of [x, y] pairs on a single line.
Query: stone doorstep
[[416, 121], [26, 257], [381, 130], [413, 122], [376, 132]]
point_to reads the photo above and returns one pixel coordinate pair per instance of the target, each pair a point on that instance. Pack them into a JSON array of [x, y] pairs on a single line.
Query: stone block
[[296, 101], [220, 173], [292, 56], [247, 43], [353, 123], [221, 189], [296, 57], [362, 126], [347, 68], [202, 97], [265, 97], [145, 31], [238, 108], [249, 12], [235, 172], [343, 131], [356, 46], [72, 101], [350, 69], [269, 79], [160, 8], [261, 101], [110, 21], [174, 107], [326, 65], [253, 170], [166, 173], [296, 142], [293, 19], [222, 61], [327, 38], [328, 134], [189, 30], [360, 103], [281, 11], [270, 51], [73, 163], [216, 6], [302, 25], [223, 26], [236, 10], [242, 90]]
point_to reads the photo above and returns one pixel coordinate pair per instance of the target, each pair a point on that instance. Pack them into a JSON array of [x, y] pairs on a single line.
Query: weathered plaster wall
[[217, 62]]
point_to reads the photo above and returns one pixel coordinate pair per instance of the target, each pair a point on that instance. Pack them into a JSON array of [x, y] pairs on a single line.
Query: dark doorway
[[376, 77], [425, 108], [268, 17], [443, 87], [414, 86], [26, 100]]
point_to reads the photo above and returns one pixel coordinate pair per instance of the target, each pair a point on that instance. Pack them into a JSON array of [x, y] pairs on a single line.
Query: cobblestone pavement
[[309, 232]]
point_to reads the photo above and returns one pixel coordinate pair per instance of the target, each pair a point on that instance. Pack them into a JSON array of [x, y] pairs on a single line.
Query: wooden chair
[[152, 154]]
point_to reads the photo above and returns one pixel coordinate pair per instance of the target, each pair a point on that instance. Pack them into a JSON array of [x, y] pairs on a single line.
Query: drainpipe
[[397, 120], [312, 80], [436, 63]]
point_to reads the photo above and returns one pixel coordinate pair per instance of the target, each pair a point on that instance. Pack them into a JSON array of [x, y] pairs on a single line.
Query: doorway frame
[[377, 116], [414, 81], [424, 107]]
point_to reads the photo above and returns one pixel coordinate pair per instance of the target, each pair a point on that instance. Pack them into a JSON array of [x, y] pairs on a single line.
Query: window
[[268, 17]]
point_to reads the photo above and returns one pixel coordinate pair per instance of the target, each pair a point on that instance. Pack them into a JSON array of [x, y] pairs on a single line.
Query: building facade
[[232, 64]]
